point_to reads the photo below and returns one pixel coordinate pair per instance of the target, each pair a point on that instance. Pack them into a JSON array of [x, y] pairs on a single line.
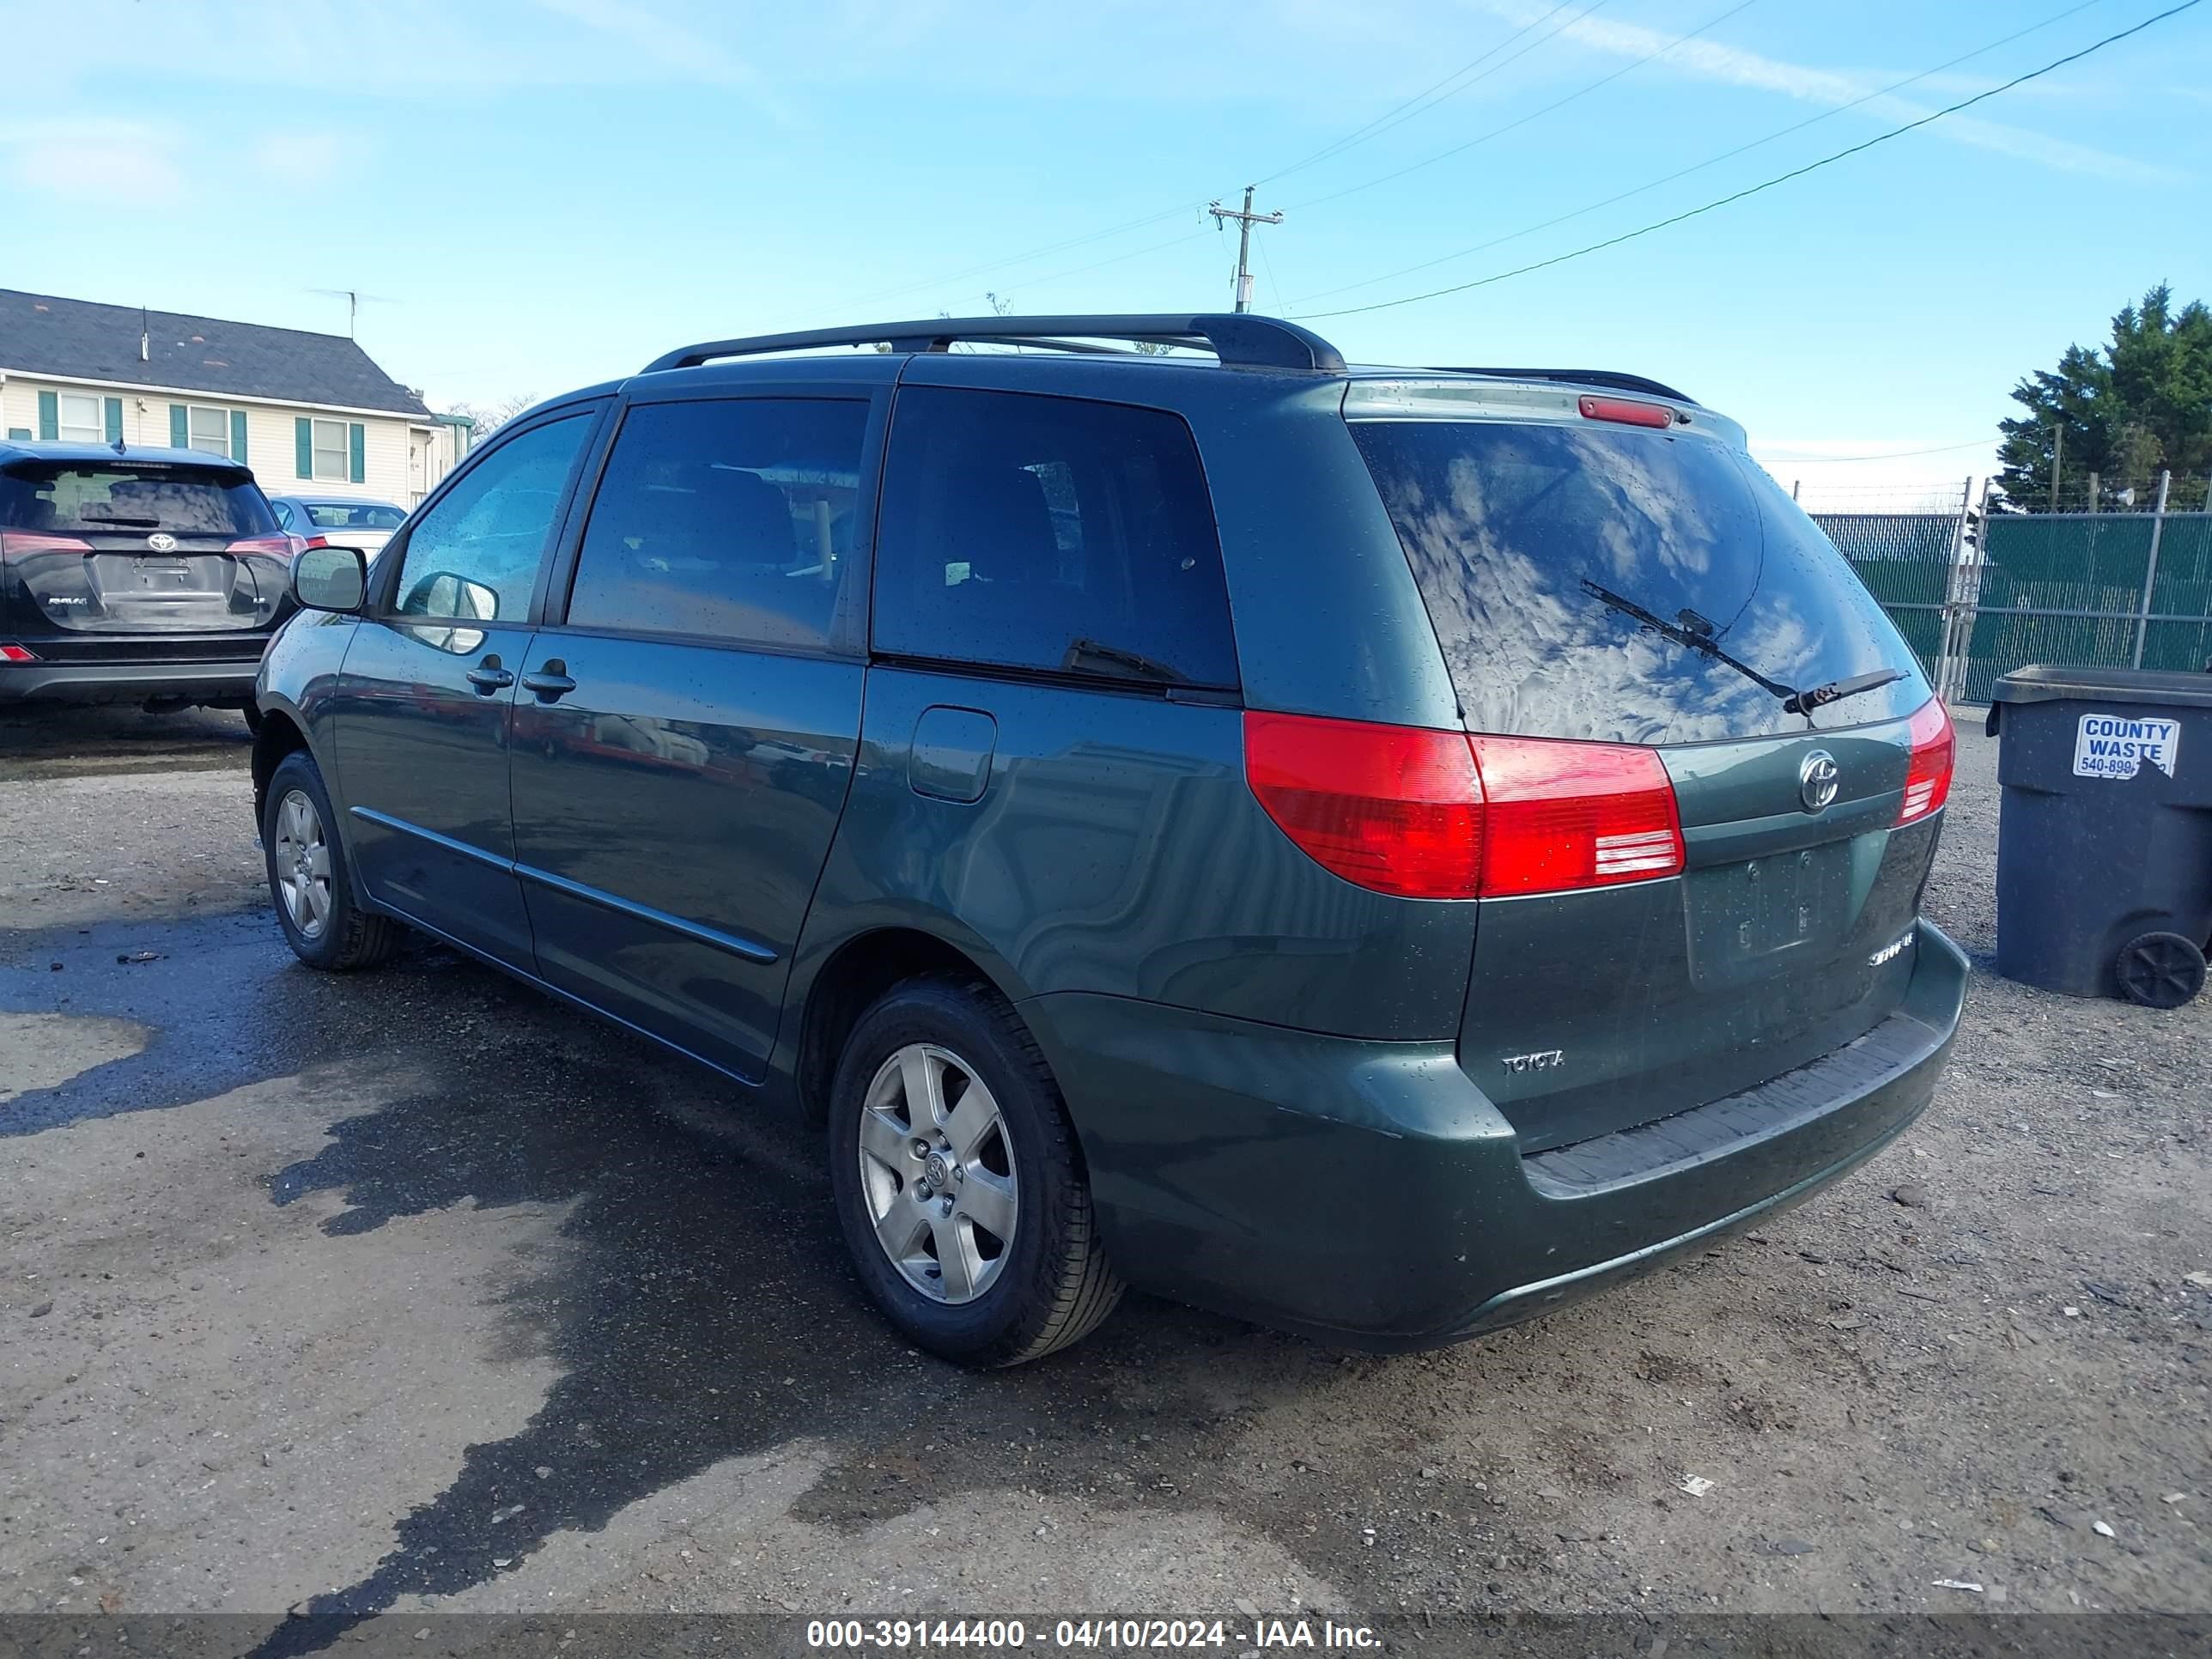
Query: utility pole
[[2057, 460], [1245, 221]]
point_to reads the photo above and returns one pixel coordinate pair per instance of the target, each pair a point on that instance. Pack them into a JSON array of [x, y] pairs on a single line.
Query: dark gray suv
[[1379, 851]]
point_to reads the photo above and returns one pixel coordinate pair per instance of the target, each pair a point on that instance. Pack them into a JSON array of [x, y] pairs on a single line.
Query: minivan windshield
[[1630, 586], [79, 498]]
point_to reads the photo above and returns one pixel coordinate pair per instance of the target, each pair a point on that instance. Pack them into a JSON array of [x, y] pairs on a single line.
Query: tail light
[[1568, 815], [17, 654], [278, 546], [20, 543], [1397, 809], [1928, 774], [1431, 814]]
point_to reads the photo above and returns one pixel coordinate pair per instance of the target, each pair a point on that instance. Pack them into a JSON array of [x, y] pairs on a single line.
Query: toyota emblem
[[1817, 777], [161, 542]]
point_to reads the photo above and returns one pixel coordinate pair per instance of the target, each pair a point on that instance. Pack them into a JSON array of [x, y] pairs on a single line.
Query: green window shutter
[[50, 415], [303, 444], [180, 427], [112, 408], [238, 436], [357, 446]]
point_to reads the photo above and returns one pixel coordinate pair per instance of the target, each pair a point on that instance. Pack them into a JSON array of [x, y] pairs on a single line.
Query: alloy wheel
[[301, 860]]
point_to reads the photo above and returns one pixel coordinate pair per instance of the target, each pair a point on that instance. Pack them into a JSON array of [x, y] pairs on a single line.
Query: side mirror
[[330, 578]]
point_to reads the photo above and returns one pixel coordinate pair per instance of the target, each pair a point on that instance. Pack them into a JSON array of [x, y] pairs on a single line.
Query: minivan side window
[[732, 519], [1052, 534], [474, 554]]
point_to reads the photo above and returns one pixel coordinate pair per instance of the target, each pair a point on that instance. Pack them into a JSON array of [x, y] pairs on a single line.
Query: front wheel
[[958, 1182], [309, 878]]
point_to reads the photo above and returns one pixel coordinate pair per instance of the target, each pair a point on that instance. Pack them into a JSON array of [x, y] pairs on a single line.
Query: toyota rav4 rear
[[150, 576]]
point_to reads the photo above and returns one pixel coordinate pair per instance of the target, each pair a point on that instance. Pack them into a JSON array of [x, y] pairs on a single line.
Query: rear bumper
[[225, 680], [1369, 1194]]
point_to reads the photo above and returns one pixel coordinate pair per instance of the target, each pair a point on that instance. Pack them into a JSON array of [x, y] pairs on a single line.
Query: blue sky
[[547, 192]]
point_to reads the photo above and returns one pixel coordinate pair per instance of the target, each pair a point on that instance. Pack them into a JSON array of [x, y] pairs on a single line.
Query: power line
[[1894, 455], [1766, 184], [1582, 92], [1392, 117], [1358, 136], [1710, 160]]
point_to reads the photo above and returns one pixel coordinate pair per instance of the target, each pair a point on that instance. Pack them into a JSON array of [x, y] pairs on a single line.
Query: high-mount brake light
[[1626, 410]]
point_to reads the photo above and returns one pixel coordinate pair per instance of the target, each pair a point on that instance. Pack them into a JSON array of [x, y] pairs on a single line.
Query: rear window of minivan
[[1626, 587], [61, 498]]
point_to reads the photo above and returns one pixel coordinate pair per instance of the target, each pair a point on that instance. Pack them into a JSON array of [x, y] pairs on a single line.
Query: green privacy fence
[[2076, 588], [1906, 560]]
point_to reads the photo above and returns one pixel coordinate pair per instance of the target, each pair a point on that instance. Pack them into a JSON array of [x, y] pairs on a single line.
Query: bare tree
[[489, 417]]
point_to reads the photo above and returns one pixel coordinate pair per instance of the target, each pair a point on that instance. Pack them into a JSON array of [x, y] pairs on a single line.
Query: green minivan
[[1379, 852]]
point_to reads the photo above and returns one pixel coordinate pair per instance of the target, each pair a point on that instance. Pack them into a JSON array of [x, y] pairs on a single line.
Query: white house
[[311, 414]]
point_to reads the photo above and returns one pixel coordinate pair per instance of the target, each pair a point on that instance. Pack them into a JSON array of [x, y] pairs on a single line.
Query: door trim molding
[[750, 949], [737, 945]]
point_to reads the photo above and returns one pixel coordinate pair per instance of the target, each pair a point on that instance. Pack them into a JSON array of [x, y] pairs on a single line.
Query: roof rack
[[1239, 338], [1613, 378]]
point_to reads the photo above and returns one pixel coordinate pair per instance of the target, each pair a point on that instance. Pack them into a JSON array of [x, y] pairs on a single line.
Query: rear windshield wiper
[[1794, 701], [107, 519], [1804, 702], [1703, 643], [1079, 651]]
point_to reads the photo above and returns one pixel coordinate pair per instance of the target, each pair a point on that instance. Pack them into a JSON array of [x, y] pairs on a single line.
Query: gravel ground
[[414, 1292]]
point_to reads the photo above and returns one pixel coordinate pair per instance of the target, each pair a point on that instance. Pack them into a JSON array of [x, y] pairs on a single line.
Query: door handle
[[489, 676], [550, 681]]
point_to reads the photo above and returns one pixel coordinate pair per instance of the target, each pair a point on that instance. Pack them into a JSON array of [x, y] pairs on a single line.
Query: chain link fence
[[1977, 596]]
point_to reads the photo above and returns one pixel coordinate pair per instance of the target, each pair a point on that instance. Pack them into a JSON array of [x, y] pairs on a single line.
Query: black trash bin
[[2104, 835]]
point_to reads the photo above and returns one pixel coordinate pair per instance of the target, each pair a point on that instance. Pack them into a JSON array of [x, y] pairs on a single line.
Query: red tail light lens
[[1397, 809], [17, 544], [1626, 410], [1927, 775], [1568, 815], [17, 654], [267, 547], [1429, 814]]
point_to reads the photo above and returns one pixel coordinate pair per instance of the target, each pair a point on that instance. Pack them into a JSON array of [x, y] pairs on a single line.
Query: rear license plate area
[[1744, 916]]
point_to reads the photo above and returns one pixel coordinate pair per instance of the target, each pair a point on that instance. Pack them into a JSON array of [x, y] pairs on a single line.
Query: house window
[[81, 420], [208, 429], [331, 464]]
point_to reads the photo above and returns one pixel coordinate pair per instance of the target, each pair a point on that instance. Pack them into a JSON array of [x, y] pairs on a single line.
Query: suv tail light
[[278, 546], [17, 653], [17, 544], [1928, 774], [1430, 814]]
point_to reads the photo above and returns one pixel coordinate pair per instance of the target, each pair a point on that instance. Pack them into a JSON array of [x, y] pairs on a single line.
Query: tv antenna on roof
[[354, 300]]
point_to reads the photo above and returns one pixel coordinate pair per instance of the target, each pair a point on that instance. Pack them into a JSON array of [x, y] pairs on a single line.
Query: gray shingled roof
[[42, 334]]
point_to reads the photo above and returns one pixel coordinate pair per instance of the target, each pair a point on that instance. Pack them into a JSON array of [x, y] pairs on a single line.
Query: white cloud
[[88, 159], [1737, 66]]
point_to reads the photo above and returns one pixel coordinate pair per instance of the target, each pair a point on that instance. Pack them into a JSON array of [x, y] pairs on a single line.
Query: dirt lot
[[414, 1292]]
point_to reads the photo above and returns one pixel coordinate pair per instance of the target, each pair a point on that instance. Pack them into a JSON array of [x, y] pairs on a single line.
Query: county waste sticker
[[2116, 746]]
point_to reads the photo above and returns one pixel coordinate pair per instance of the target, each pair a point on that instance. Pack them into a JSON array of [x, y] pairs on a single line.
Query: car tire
[[310, 882], [1047, 1285]]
